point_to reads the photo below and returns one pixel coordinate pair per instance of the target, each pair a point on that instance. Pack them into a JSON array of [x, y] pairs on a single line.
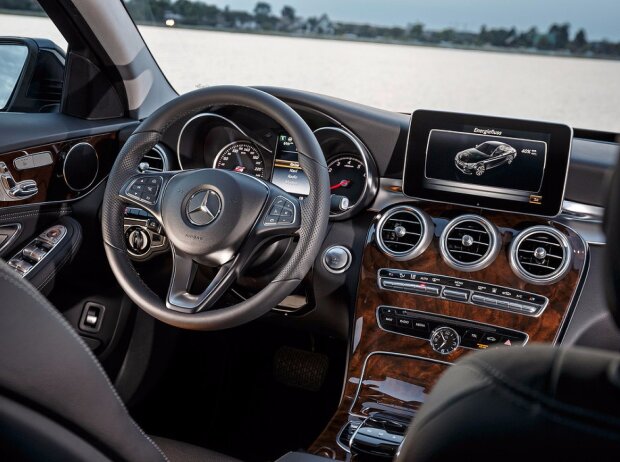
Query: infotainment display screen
[[287, 172], [488, 162]]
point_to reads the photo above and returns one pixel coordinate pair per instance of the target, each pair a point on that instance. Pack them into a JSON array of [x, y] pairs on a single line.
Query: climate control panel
[[462, 290]]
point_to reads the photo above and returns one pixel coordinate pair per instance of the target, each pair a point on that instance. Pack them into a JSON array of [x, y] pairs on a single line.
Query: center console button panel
[[472, 335], [462, 290]]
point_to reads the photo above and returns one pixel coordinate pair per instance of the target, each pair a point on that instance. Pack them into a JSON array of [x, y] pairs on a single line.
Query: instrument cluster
[[213, 140]]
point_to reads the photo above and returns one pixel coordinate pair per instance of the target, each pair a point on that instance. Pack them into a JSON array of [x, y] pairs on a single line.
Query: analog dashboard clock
[[445, 340]]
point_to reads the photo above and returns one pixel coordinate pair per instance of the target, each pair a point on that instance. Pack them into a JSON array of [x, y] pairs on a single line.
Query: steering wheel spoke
[[183, 274], [146, 191]]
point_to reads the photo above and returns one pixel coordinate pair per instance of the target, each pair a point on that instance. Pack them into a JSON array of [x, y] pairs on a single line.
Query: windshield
[[555, 60]]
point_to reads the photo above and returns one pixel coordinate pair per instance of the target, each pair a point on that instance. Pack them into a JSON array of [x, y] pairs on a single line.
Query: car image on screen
[[485, 156]]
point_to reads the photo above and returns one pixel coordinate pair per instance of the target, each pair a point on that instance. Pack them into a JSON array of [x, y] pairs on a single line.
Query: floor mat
[[258, 393]]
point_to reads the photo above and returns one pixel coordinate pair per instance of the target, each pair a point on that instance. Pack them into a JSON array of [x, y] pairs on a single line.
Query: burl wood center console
[[438, 282]]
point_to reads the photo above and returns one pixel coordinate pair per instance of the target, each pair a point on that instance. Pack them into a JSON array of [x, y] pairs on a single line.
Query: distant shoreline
[[491, 49]]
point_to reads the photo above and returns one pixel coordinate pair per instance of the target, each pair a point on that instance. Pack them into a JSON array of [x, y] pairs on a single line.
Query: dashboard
[[449, 233]]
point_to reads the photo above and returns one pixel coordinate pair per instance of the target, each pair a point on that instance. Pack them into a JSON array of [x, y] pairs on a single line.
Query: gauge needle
[[443, 337], [342, 184]]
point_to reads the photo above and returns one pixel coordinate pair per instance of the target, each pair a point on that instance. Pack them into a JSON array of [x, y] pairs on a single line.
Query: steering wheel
[[215, 218]]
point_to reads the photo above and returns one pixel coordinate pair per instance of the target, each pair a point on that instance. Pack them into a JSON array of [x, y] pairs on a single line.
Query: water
[[583, 93]]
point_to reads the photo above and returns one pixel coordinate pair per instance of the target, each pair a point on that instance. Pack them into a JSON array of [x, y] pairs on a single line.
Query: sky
[[600, 18]]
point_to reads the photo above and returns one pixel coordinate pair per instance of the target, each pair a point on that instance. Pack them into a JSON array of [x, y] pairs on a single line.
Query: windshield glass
[[556, 60]]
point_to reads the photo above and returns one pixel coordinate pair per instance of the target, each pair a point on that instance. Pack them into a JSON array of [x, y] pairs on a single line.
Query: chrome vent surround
[[155, 160], [470, 243], [540, 255], [404, 232]]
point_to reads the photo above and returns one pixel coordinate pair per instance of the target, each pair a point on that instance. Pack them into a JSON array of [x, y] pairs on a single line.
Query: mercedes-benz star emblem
[[204, 207]]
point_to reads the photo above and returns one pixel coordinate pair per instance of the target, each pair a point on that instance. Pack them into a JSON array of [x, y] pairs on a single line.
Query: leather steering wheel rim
[[314, 209]]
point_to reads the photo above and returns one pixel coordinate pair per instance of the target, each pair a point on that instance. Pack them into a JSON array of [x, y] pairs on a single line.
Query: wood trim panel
[[49, 178], [401, 382], [368, 338]]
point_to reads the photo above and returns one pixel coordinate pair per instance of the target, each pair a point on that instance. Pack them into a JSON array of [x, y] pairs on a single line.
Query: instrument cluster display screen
[[287, 172], [487, 162]]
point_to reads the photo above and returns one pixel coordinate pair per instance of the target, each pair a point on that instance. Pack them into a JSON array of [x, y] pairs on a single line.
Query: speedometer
[[242, 157]]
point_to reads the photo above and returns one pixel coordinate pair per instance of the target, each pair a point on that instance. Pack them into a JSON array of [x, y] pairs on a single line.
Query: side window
[[32, 59]]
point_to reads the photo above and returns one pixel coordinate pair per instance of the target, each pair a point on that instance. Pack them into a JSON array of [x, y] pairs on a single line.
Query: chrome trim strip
[[344, 448], [10, 240], [585, 212], [495, 243], [159, 149], [363, 153], [556, 275], [574, 300], [428, 229], [343, 269]]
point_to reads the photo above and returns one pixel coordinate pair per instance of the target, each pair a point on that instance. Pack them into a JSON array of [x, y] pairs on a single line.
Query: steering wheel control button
[[204, 207], [286, 219], [275, 211], [282, 212], [337, 259], [145, 189]]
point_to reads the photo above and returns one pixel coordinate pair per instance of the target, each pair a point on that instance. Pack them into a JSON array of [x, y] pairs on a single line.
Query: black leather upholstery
[[519, 404], [612, 231], [177, 451], [47, 369]]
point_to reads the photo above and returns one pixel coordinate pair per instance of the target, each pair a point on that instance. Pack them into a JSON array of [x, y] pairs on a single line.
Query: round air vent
[[404, 232], [155, 160], [470, 243], [540, 255]]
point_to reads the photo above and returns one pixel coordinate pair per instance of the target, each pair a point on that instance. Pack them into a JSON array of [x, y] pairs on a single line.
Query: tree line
[[558, 38]]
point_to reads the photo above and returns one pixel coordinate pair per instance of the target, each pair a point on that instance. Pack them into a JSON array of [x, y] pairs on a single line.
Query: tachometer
[[347, 177], [242, 157]]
